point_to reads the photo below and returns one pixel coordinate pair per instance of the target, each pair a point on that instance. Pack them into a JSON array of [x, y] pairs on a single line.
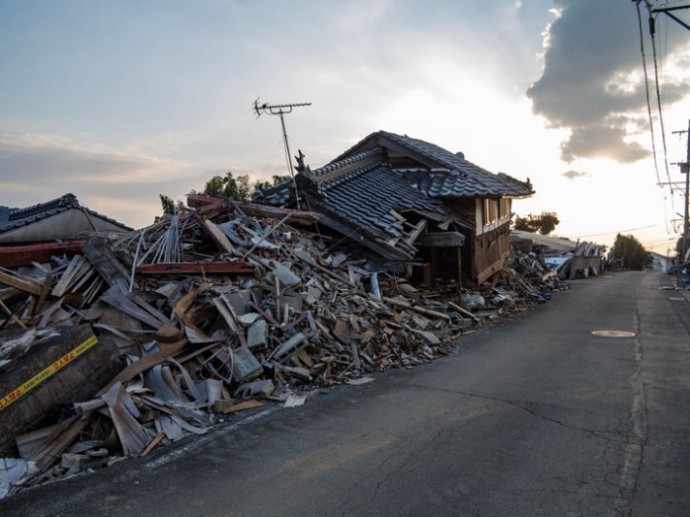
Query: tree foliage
[[228, 186], [543, 223], [630, 252], [169, 206], [277, 180]]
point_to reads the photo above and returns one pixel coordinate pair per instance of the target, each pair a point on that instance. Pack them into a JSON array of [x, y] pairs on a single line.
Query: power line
[[620, 231], [652, 32], [658, 95], [646, 87]]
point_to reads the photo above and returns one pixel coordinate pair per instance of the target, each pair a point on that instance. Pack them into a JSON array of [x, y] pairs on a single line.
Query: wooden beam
[[442, 239], [27, 285], [194, 268], [414, 308], [26, 254], [416, 231], [483, 276], [105, 262]]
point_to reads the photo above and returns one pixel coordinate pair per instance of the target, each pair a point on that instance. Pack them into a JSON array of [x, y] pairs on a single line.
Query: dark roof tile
[[12, 218]]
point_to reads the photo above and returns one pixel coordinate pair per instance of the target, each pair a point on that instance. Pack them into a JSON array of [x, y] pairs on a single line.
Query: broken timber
[[195, 268]]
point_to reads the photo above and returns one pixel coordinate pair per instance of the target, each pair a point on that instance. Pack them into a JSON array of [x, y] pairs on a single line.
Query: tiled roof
[[452, 175], [5, 212], [282, 194], [366, 195], [11, 218], [362, 192]]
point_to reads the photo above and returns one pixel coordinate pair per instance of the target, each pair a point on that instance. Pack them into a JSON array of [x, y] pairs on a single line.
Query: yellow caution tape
[[41, 376]]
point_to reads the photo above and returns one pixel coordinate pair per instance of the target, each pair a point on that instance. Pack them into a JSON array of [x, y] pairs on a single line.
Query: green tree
[[277, 180], [630, 252], [167, 204], [170, 207], [543, 223], [228, 186]]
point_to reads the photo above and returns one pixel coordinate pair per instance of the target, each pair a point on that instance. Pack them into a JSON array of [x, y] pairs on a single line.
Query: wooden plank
[[298, 216], [414, 308], [217, 235], [46, 445], [442, 239], [195, 268], [223, 407], [416, 231], [304, 257], [106, 264], [19, 282], [74, 270], [484, 275], [156, 440], [40, 302]]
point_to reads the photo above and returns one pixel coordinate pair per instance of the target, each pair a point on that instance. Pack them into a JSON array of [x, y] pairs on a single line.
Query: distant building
[[62, 219], [660, 262]]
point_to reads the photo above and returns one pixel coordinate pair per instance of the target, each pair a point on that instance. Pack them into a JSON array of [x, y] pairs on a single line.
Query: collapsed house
[[57, 226], [566, 258], [411, 202], [141, 339], [113, 342]]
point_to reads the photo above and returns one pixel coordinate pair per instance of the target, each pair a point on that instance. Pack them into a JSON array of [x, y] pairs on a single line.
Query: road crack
[[522, 405]]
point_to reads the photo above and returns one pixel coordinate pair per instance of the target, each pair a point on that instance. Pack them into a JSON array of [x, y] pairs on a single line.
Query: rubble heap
[[141, 340]]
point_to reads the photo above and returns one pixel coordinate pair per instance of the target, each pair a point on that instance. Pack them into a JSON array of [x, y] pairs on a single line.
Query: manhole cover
[[613, 333]]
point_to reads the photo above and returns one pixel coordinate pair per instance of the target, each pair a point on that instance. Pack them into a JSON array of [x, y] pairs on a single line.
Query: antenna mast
[[281, 109]]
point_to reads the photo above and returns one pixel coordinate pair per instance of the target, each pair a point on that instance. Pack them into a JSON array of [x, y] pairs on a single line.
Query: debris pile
[[565, 258], [141, 340]]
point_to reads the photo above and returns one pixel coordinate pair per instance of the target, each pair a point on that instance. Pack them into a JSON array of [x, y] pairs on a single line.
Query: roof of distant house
[[12, 218], [439, 172]]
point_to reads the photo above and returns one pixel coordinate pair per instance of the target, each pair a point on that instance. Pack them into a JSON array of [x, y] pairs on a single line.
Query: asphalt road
[[532, 416]]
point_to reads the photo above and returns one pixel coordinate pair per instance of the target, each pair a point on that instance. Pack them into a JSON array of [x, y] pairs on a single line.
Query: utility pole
[[282, 109], [684, 170], [668, 11]]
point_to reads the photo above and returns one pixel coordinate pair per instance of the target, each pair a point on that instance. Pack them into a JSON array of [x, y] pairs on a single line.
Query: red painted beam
[[25, 254], [195, 268]]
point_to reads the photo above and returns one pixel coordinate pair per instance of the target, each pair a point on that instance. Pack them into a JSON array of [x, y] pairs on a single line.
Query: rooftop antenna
[[281, 109]]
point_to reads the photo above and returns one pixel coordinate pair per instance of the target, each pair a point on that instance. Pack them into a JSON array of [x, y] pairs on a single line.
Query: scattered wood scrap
[[167, 330]]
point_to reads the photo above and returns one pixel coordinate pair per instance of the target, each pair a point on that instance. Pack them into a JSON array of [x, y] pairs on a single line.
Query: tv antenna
[[281, 109]]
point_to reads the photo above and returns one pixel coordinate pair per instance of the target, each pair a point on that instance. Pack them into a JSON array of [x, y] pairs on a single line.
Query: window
[[504, 208], [494, 210], [490, 211]]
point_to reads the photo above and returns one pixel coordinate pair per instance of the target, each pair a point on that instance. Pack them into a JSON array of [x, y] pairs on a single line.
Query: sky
[[118, 102]]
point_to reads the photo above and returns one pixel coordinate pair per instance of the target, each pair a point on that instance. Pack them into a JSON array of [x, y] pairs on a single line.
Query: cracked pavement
[[532, 416]]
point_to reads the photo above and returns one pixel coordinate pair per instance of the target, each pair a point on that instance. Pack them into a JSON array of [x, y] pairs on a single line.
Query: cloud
[[592, 81], [40, 167], [573, 174], [51, 158], [601, 141]]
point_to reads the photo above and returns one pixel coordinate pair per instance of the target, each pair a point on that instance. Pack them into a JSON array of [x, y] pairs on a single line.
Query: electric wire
[[646, 84], [620, 231], [658, 97]]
